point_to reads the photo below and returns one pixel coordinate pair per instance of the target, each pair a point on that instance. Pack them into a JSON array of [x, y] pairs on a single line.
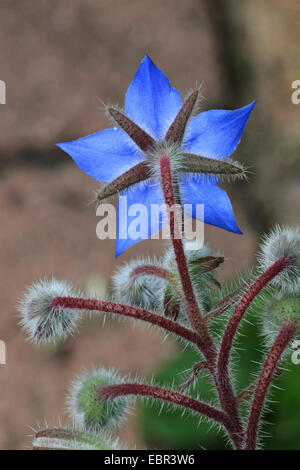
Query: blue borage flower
[[155, 116]]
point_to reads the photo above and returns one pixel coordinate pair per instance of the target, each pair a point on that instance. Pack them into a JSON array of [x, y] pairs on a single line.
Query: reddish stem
[[226, 393], [128, 311], [285, 335], [190, 301], [243, 305], [113, 391]]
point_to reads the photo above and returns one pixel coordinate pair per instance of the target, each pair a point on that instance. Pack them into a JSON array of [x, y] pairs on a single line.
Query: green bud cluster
[[85, 406]]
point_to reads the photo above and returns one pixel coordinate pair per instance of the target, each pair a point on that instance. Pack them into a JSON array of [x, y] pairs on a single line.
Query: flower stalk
[[128, 311], [190, 301], [171, 396], [284, 337], [231, 329], [226, 393]]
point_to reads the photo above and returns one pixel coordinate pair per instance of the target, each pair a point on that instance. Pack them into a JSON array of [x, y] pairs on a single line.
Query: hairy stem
[[242, 307], [128, 311], [226, 393], [190, 301], [284, 336], [113, 391]]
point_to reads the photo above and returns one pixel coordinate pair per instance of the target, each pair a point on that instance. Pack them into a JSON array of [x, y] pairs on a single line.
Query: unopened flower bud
[[43, 321], [283, 243], [72, 439], [287, 307], [85, 406], [281, 309]]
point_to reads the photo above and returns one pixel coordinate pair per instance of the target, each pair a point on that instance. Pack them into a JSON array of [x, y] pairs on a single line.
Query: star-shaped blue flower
[[154, 115]]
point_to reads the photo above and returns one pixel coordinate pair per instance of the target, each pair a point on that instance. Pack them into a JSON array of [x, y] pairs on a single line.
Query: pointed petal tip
[[65, 146], [232, 226], [147, 61], [250, 106], [216, 133], [104, 155], [150, 101], [123, 245], [147, 57]]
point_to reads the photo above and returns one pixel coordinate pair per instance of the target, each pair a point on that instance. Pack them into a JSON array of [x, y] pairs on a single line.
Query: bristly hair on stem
[[190, 302], [128, 311], [284, 337], [113, 391]]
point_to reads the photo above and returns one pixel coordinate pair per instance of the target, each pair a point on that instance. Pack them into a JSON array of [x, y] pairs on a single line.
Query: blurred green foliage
[[166, 429]]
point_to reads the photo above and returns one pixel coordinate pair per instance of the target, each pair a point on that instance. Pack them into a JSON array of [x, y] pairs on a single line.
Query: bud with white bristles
[[142, 290], [282, 242], [73, 439], [86, 408], [281, 309], [40, 319]]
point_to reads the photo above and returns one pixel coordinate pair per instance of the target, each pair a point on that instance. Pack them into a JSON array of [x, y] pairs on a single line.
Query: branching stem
[[284, 336]]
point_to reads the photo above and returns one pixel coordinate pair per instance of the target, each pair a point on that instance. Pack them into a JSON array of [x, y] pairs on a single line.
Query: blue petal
[[145, 193], [217, 206], [104, 155], [150, 101], [216, 133]]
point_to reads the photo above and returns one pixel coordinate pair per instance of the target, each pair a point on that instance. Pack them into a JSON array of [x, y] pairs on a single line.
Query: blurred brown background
[[59, 59]]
